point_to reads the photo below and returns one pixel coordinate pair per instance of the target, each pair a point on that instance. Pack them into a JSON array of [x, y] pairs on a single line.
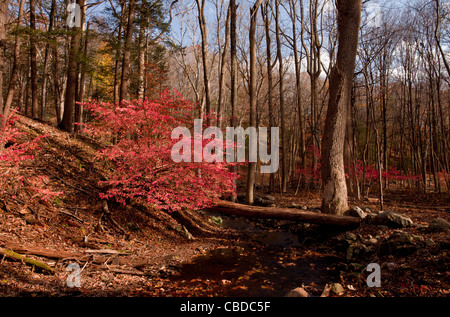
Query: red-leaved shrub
[[139, 136], [14, 154]]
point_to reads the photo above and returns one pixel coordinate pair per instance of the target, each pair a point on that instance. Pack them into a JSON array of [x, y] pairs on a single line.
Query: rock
[[388, 265], [406, 237], [392, 219], [269, 197], [420, 226], [401, 243], [337, 289], [350, 236], [372, 241], [430, 242], [438, 224], [356, 249], [356, 212], [260, 201], [370, 217], [297, 292]]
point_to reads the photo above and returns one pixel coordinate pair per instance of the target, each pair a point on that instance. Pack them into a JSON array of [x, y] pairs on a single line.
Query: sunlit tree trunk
[[334, 198]]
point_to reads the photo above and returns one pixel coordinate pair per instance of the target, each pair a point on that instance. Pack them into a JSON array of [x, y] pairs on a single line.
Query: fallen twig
[[71, 215]]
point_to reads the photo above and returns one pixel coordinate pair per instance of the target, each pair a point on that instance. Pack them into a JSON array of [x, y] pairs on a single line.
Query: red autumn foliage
[[141, 154], [14, 153], [370, 172]]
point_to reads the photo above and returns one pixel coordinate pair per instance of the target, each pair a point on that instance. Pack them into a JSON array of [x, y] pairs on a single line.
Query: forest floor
[[137, 251]]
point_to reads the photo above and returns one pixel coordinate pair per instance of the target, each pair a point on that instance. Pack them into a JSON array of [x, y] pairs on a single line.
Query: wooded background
[[397, 127]]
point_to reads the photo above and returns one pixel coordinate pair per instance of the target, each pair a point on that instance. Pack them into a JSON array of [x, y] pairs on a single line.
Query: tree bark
[[3, 20], [13, 83], [33, 62], [222, 68], [46, 58], [284, 146], [72, 78], [202, 24], [285, 213], [233, 72], [125, 78], [334, 199], [265, 13], [252, 92]]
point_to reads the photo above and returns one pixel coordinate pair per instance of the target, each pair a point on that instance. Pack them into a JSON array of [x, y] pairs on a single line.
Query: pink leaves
[[139, 135], [13, 153]]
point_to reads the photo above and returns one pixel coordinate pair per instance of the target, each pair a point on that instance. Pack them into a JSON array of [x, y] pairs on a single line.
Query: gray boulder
[[392, 219], [356, 212], [439, 224], [269, 197], [401, 243], [297, 292]]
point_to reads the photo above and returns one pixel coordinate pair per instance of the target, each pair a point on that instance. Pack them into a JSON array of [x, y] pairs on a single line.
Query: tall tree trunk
[[81, 84], [125, 78], [265, 13], [143, 24], [334, 199], [13, 83], [46, 58], [284, 145], [141, 60], [222, 69], [3, 21], [33, 59], [72, 78], [233, 74], [252, 93], [116, 92], [298, 93], [437, 38], [203, 32]]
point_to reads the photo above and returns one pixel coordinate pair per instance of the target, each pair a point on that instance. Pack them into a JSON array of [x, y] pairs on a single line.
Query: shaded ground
[[203, 254]]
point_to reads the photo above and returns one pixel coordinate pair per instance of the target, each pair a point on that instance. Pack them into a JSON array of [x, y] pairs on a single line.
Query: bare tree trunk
[[33, 59], [13, 83], [141, 59], [46, 59], [297, 63], [202, 24], [72, 78], [125, 78], [82, 85], [265, 13], [284, 170], [252, 93], [3, 21], [438, 40], [334, 199], [222, 68], [143, 24], [116, 91], [233, 119]]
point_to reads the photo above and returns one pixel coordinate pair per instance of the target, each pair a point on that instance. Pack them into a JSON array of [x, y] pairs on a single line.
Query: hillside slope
[[75, 227]]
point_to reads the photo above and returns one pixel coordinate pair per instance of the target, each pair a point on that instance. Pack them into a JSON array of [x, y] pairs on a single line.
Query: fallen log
[[16, 256], [285, 214], [36, 250]]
